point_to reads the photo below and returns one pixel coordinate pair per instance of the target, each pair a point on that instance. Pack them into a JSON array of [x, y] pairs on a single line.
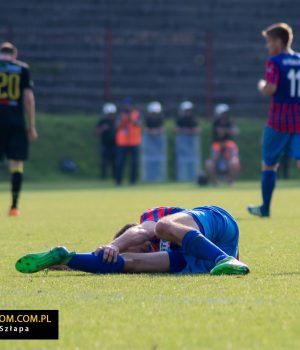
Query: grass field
[[259, 311]]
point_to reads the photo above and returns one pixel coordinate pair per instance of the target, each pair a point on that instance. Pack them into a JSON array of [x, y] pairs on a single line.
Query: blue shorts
[[276, 142], [217, 225]]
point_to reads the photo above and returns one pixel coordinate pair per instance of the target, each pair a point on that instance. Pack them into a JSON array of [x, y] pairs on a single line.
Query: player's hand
[[261, 84], [110, 253], [32, 133]]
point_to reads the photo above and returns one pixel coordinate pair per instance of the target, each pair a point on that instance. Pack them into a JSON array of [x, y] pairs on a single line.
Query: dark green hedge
[[73, 137]]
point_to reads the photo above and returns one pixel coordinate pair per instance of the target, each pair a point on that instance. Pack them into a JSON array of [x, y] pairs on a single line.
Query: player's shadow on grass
[[51, 275], [62, 274]]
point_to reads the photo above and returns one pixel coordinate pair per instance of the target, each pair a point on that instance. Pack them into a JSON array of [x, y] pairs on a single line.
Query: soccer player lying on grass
[[203, 240]]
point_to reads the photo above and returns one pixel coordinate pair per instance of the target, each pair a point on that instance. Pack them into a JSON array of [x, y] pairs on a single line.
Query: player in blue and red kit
[[282, 84], [202, 240]]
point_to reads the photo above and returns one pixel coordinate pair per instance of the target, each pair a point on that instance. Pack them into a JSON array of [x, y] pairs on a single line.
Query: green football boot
[[230, 266], [35, 262]]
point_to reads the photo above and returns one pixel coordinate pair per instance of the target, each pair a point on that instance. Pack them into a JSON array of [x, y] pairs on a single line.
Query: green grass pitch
[[258, 311]]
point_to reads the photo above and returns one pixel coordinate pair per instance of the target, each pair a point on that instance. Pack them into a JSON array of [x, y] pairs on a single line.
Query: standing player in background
[[282, 84], [16, 95]]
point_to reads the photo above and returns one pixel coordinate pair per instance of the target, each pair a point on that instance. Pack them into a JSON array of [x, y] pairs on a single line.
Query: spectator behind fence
[[154, 157], [107, 133], [187, 149], [224, 159], [128, 140]]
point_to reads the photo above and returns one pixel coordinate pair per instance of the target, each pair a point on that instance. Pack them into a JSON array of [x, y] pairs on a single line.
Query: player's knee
[[162, 228], [16, 166], [298, 164]]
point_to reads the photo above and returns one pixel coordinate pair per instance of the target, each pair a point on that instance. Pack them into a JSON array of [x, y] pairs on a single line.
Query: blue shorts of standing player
[[201, 240], [276, 142]]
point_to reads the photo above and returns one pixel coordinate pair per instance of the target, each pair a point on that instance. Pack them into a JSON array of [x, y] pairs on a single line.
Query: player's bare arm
[[265, 88], [29, 104], [134, 236]]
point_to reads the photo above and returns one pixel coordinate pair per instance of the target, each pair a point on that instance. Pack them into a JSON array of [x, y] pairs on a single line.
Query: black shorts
[[13, 143]]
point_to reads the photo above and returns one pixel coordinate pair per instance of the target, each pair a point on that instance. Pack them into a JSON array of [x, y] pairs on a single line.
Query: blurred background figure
[[187, 144], [17, 117], [107, 134], [128, 140], [224, 159], [154, 150]]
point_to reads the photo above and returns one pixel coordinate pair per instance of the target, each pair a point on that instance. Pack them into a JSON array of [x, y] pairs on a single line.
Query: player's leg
[[273, 145], [227, 237], [90, 262], [183, 230], [17, 153], [126, 263], [146, 262], [87, 262], [16, 170], [158, 262]]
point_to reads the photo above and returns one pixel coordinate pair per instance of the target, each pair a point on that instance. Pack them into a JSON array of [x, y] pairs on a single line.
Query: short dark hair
[[280, 31], [123, 229], [8, 48]]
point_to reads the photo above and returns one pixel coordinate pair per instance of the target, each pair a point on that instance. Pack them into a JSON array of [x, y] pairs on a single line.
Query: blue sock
[[268, 182], [197, 245], [90, 262]]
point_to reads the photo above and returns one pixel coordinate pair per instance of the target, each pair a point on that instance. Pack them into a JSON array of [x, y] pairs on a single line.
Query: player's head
[[154, 108], [186, 108], [123, 229], [109, 109], [141, 248], [9, 50], [279, 37]]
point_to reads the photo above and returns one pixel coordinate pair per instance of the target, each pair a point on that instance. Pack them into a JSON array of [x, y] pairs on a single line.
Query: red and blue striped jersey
[[154, 214], [283, 70]]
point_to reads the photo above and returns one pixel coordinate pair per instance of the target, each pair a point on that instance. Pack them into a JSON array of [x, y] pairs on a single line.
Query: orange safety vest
[[128, 133]]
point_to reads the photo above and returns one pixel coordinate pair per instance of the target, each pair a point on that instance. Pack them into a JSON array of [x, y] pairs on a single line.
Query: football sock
[[197, 245], [16, 184], [90, 262], [268, 182]]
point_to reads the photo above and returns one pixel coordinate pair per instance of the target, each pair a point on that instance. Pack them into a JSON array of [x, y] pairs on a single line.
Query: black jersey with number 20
[[14, 79]]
